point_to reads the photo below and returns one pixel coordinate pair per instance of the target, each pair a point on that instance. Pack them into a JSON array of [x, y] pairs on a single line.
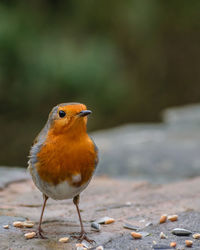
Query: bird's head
[[68, 117]]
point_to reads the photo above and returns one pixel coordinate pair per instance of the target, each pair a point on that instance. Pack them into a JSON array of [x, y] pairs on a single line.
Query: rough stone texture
[[137, 203], [159, 153]]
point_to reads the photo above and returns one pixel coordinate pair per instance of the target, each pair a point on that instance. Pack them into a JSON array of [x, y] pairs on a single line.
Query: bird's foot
[[83, 236], [40, 234]]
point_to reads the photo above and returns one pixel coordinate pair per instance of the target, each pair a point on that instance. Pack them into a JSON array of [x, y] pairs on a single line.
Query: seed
[[163, 236], [18, 224], [28, 224], [196, 236], [100, 248], [105, 220], [181, 232], [28, 221], [173, 217], [173, 244], [109, 221], [163, 218], [30, 235], [80, 246], [188, 243], [6, 226], [136, 235], [96, 226], [64, 239]]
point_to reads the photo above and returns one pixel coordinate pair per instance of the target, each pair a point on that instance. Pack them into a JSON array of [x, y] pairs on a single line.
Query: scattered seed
[[100, 248], [196, 236], [80, 247], [188, 243], [28, 224], [96, 226], [109, 221], [29, 221], [132, 227], [136, 235], [163, 218], [18, 224], [173, 244], [181, 232], [6, 226], [63, 240], [173, 217], [105, 220], [163, 236], [30, 235]]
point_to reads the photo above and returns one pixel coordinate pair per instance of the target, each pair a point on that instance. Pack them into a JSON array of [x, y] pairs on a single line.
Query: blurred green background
[[126, 60]]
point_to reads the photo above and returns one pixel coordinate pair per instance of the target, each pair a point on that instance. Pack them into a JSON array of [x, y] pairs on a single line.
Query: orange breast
[[61, 158]]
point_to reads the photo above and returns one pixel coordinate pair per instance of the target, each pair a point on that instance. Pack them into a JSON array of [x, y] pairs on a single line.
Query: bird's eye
[[62, 113]]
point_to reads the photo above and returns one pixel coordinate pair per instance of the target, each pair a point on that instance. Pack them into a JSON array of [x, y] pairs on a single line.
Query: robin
[[63, 157]]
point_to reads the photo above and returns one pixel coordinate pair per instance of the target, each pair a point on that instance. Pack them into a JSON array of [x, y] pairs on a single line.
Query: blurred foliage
[[126, 60]]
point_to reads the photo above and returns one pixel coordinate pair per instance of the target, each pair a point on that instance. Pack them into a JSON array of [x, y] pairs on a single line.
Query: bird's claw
[[40, 235], [83, 236]]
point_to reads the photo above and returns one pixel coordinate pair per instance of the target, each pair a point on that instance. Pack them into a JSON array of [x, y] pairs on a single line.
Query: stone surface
[[159, 153], [22, 201]]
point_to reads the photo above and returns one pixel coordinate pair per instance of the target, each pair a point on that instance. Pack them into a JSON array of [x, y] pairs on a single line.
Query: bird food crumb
[[173, 217], [136, 235], [163, 218], [188, 243], [100, 248], [30, 235], [6, 226], [196, 236], [80, 247], [18, 224], [105, 220], [109, 221], [63, 240], [173, 244], [163, 236], [28, 224]]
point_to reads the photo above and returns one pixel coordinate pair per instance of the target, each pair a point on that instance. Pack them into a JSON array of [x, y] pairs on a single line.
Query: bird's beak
[[84, 113]]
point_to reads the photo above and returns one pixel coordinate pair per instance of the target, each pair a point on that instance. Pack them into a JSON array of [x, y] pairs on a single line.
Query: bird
[[63, 158]]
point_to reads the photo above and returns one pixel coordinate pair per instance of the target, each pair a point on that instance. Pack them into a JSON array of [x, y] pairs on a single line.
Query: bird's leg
[[83, 233], [43, 207]]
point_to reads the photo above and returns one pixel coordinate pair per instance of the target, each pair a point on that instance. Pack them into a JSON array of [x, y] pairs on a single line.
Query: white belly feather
[[60, 191]]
